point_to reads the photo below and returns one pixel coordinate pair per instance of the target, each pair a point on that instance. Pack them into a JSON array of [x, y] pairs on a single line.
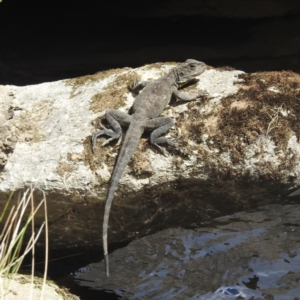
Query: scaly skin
[[147, 107]]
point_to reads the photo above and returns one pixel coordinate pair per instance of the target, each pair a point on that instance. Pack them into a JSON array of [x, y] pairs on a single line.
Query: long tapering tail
[[128, 147]]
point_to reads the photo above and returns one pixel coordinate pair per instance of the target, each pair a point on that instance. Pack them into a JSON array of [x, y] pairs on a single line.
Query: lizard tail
[[128, 147]]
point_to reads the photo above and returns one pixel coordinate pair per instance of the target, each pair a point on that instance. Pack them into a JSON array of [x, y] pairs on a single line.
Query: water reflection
[[268, 276], [256, 256]]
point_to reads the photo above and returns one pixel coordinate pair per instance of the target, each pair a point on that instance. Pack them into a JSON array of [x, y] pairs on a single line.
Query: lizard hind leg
[[160, 125], [115, 119]]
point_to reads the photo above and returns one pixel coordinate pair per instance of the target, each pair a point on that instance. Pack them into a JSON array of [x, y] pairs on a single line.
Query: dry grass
[[12, 236]]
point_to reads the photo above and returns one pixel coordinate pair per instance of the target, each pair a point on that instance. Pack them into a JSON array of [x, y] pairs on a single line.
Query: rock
[[252, 255], [19, 287], [242, 142]]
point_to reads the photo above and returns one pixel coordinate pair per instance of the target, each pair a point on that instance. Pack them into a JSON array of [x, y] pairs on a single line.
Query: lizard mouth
[[189, 81]]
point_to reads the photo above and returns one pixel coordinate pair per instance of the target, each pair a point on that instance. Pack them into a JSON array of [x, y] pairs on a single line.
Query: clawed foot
[[200, 94], [105, 131], [175, 146], [134, 85], [161, 150], [168, 143]]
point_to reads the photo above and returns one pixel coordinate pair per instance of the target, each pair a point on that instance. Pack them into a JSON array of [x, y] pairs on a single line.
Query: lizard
[[150, 102]]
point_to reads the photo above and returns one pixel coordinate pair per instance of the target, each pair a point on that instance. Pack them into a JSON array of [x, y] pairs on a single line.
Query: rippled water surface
[[252, 255]]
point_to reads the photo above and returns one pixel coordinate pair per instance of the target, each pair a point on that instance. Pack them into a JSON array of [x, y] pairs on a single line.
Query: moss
[[64, 169], [265, 113], [64, 292], [77, 82], [226, 68], [82, 80], [160, 64], [266, 105], [255, 110], [140, 165], [190, 123], [100, 156], [112, 95]]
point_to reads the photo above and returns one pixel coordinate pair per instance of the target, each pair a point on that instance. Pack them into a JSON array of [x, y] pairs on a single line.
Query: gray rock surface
[[242, 140], [22, 287]]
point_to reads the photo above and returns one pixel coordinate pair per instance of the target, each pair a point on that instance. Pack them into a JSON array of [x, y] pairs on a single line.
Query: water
[[249, 255]]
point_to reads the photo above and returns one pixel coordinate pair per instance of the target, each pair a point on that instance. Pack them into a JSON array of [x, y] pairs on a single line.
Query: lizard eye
[[192, 66]]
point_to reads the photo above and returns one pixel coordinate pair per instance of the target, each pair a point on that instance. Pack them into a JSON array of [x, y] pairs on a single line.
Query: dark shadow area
[[63, 265]]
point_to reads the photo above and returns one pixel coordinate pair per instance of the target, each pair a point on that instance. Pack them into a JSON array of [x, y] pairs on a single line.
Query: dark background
[[50, 40]]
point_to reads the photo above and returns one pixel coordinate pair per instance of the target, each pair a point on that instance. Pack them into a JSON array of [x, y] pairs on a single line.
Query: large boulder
[[242, 141]]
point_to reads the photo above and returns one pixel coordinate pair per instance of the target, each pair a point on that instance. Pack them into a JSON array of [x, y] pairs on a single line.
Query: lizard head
[[188, 70]]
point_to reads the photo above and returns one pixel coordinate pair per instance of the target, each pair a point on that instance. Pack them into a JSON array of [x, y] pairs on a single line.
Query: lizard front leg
[[136, 86], [115, 119], [187, 97]]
